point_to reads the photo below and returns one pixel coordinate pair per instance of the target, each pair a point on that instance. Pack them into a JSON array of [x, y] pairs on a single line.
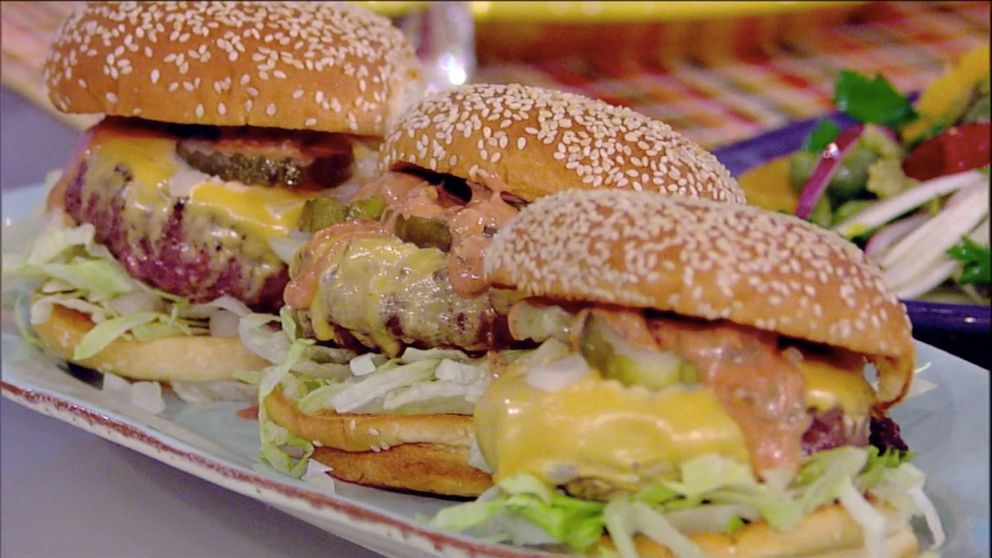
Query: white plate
[[948, 426]]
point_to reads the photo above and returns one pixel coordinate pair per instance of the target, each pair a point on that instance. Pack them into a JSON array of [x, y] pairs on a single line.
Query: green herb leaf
[[871, 101], [821, 136], [976, 260]]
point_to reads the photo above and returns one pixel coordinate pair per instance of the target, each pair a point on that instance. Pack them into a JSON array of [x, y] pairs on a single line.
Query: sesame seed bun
[[708, 260], [532, 142], [320, 66], [186, 359], [424, 453]]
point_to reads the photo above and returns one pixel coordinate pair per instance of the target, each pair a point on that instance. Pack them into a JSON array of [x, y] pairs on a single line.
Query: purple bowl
[[932, 321]]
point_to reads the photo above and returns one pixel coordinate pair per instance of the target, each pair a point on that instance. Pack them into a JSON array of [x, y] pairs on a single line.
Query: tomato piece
[[955, 150]]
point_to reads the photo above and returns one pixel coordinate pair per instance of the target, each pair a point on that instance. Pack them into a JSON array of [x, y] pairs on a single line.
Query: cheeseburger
[[222, 121], [397, 269], [700, 387]]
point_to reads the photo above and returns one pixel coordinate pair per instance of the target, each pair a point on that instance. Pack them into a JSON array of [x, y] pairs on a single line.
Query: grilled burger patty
[[199, 234], [155, 244]]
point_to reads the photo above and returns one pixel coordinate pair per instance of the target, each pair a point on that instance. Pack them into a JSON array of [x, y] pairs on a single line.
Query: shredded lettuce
[[104, 333], [78, 273], [711, 494]]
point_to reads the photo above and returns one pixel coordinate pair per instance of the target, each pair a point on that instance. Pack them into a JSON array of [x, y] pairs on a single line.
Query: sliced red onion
[[884, 211], [826, 167], [224, 324], [891, 233]]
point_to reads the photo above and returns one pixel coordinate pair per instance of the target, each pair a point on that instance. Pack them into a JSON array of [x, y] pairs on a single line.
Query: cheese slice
[[149, 156], [600, 429], [263, 211], [629, 436]]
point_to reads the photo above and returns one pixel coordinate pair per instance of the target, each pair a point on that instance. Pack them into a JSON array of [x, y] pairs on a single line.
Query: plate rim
[[165, 448]]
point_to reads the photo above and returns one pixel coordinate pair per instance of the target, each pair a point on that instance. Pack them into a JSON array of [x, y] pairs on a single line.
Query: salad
[[909, 183]]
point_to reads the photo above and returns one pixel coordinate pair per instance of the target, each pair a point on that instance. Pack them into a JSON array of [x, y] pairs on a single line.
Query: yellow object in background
[[949, 94], [611, 11], [767, 186]]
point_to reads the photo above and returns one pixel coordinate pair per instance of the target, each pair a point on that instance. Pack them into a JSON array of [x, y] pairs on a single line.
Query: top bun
[[319, 66], [533, 142], [703, 259]]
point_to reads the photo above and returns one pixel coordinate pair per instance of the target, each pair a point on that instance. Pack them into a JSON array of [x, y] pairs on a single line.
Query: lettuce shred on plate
[[322, 378], [78, 273], [67, 267], [712, 494]]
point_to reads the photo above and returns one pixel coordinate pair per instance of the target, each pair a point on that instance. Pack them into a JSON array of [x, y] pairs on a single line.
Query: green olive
[[821, 214], [801, 165], [848, 182]]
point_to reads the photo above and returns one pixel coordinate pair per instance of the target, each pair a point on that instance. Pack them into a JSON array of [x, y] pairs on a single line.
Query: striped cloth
[[717, 81], [756, 82]]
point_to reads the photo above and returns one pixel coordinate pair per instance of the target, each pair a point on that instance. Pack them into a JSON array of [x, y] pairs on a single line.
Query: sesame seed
[[596, 143], [310, 122], [258, 40], [111, 97], [221, 109], [700, 258], [271, 109]]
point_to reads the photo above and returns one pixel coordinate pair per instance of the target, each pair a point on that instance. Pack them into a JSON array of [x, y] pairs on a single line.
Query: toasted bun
[[707, 260], [424, 453], [532, 142], [186, 359], [826, 533], [430, 468], [320, 66]]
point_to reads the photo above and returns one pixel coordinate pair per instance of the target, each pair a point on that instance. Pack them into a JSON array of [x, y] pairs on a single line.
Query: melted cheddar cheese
[[628, 436]]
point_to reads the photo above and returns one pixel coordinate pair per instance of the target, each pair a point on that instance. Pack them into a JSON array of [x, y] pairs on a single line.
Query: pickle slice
[[320, 213], [425, 233], [605, 350], [366, 209]]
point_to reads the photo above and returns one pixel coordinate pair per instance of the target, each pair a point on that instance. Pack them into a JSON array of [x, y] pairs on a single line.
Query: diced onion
[[224, 324], [137, 301], [362, 365], [558, 375]]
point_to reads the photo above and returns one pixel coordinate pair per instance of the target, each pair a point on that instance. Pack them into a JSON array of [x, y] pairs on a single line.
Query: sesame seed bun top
[[703, 259], [534, 142], [319, 66]]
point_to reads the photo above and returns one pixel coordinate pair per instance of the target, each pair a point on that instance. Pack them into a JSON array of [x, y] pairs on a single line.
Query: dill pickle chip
[[320, 213], [366, 209], [425, 233]]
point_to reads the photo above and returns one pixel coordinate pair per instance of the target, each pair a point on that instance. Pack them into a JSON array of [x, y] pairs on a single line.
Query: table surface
[[70, 493]]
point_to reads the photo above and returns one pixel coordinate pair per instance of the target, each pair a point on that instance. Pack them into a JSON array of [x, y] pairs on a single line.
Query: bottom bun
[[422, 453], [430, 468], [181, 359], [826, 533]]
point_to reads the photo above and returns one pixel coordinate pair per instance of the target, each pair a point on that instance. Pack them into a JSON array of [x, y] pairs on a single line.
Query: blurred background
[[718, 72]]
